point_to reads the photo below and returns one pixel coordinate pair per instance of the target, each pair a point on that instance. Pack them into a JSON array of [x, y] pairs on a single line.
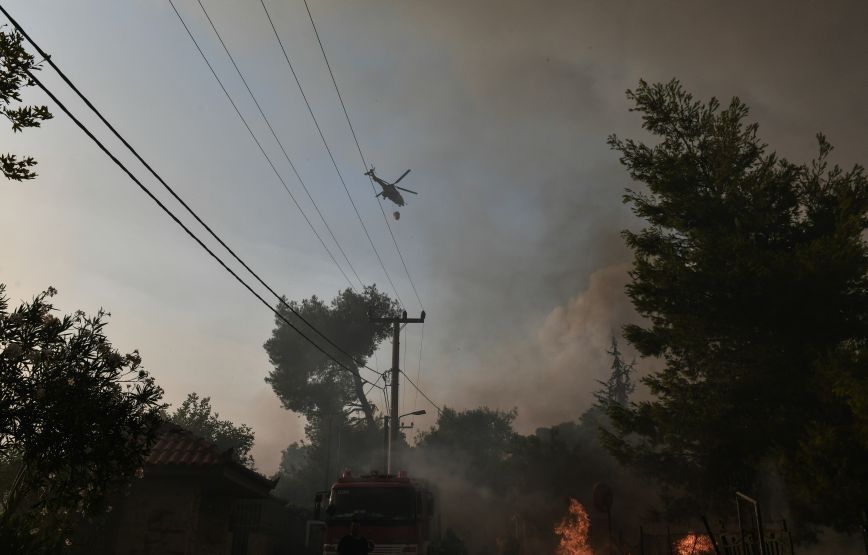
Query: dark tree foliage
[[342, 429], [618, 388], [195, 415], [77, 420], [309, 382], [491, 477], [751, 274], [301, 475], [15, 62], [475, 441], [293, 458], [332, 445]]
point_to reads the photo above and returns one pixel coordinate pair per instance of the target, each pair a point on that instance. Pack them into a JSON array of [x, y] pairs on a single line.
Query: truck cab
[[394, 512]]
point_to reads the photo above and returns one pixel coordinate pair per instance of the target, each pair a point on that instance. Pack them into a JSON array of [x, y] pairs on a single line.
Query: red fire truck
[[396, 513]]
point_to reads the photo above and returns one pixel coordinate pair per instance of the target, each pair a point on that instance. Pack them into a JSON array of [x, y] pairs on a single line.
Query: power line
[[279, 143], [274, 169], [181, 224], [419, 367], [404, 364], [326, 145], [380, 377], [376, 360], [371, 388], [117, 134], [422, 393], [359, 147], [171, 191], [168, 188], [258, 144], [386, 396]]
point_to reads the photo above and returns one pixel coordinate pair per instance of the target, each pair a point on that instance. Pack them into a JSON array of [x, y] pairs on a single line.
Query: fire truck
[[395, 512]]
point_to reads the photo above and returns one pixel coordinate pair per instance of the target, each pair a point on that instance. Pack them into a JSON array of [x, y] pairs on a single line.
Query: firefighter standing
[[354, 543]]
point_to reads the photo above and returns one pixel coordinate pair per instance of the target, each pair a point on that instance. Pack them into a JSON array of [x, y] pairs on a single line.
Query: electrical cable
[[258, 144], [171, 191], [359, 147], [371, 388], [419, 367], [182, 225], [326, 145], [279, 143], [404, 397], [422, 393], [368, 392], [376, 360], [386, 402]]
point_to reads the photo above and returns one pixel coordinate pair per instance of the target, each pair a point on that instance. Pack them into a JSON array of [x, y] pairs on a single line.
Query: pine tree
[[751, 275], [618, 388]]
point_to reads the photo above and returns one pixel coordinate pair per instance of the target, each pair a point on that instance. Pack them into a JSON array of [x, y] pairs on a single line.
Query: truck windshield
[[372, 503]]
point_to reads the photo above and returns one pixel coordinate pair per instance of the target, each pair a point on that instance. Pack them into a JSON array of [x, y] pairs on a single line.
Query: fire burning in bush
[[694, 544], [573, 532]]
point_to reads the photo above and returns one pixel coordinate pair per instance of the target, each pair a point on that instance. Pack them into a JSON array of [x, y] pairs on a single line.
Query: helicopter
[[390, 190]]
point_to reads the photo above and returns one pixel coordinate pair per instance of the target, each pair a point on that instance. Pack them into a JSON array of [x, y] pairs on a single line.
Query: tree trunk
[[363, 400]]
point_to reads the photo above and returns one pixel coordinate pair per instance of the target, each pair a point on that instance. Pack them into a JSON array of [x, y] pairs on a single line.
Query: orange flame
[[573, 531], [694, 544]]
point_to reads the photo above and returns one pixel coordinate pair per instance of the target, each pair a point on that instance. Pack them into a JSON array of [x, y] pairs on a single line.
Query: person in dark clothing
[[354, 543]]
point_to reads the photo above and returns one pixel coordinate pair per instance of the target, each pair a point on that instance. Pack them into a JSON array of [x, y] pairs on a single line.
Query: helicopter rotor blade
[[403, 175], [407, 190]]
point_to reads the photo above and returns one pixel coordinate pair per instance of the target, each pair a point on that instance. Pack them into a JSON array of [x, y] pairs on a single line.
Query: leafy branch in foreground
[[77, 419], [15, 63]]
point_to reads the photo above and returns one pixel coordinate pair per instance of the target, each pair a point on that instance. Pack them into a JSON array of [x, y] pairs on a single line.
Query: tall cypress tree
[[618, 388]]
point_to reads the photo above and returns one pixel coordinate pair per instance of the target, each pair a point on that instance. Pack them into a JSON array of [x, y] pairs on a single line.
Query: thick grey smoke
[[524, 244], [550, 373], [501, 108]]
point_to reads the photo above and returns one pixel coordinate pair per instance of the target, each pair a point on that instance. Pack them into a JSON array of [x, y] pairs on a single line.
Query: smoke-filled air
[[440, 278]]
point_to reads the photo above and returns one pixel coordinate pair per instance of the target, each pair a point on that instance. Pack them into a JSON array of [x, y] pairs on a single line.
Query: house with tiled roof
[[194, 499]]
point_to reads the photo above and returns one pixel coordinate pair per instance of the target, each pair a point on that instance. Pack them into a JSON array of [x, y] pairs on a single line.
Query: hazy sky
[[501, 108]]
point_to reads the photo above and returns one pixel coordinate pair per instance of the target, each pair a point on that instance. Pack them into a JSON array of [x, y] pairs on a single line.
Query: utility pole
[[394, 424]]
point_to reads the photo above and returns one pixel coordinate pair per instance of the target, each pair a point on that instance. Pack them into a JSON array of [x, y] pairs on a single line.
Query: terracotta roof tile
[[176, 445]]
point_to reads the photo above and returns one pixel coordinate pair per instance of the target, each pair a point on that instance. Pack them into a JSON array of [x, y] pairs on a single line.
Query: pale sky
[[501, 108]]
